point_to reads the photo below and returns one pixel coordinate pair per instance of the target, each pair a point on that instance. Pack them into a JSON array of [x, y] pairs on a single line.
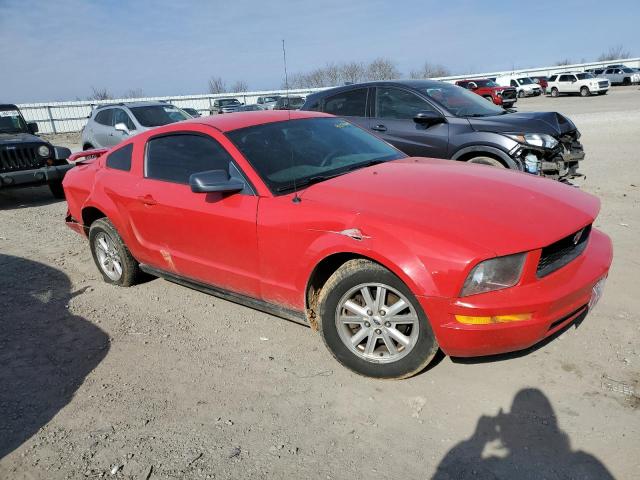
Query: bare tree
[[133, 93], [239, 86], [382, 69], [100, 94], [332, 74], [217, 85], [352, 72], [614, 53], [563, 62], [430, 70]]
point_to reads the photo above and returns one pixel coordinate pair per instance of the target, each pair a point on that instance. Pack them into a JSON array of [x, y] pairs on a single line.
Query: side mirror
[[121, 127], [214, 181], [32, 127], [429, 118]]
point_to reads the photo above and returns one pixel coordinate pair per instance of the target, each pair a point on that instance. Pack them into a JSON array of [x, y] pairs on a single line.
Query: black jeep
[[26, 159]]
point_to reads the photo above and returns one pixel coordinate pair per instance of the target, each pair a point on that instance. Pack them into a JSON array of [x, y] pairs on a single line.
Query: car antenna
[[296, 198]]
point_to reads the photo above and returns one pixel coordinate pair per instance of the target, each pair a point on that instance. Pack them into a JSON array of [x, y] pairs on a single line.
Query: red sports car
[[311, 218]]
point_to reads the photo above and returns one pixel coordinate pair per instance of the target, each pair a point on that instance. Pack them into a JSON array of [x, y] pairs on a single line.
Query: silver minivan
[[108, 125]]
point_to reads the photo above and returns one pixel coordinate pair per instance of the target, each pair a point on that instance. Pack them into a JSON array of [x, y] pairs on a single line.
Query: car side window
[[173, 158], [351, 103], [513, 83], [120, 116], [552, 78], [120, 159], [400, 104], [105, 117], [565, 78]]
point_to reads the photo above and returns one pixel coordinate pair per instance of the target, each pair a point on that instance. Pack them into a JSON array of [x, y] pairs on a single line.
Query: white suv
[[583, 83], [523, 85]]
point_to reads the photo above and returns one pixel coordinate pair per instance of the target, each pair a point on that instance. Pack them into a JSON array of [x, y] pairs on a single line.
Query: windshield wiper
[[304, 183]]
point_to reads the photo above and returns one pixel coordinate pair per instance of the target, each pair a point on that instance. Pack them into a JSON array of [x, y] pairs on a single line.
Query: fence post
[[53, 124]]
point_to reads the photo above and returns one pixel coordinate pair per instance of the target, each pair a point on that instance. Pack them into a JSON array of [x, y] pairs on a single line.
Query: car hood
[[551, 123], [475, 206], [14, 138]]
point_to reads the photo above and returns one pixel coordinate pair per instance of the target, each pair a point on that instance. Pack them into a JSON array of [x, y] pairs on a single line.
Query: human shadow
[[46, 352], [16, 198], [525, 443]]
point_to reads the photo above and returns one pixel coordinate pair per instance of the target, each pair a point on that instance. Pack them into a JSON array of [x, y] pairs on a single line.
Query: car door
[[103, 127], [207, 237], [393, 119], [350, 104], [565, 84]]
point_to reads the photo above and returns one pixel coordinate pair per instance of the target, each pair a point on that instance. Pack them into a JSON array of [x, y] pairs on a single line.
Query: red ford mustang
[[308, 217]]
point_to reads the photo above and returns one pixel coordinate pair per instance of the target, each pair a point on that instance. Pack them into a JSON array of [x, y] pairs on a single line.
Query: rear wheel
[[554, 92], [521, 94], [56, 189], [584, 92], [111, 255], [626, 81], [372, 323], [482, 160]]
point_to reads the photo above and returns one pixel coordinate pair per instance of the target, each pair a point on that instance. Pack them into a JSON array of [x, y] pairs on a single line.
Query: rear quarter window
[[347, 104], [120, 159]]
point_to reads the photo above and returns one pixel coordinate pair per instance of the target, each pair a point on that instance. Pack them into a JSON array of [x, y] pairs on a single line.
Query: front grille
[[562, 252], [508, 94], [19, 157], [603, 84]]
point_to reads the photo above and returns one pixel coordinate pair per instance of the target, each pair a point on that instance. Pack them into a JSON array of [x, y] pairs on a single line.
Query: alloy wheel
[[108, 256]]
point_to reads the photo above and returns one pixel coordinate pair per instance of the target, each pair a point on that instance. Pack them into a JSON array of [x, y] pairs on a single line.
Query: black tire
[[353, 274], [603, 93], [521, 94], [56, 190], [554, 92], [626, 81], [130, 269], [584, 92]]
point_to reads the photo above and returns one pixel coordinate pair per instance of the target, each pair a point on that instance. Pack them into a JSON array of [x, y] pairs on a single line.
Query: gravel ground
[[159, 381]]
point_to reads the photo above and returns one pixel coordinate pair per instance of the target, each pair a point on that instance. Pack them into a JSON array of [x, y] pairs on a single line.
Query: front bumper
[[37, 176], [554, 301]]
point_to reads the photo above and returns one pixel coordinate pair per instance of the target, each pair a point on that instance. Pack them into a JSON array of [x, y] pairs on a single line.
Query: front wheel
[[372, 323], [584, 92], [56, 190], [111, 255]]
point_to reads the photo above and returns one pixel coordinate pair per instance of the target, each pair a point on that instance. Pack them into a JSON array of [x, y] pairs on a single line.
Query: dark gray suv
[[429, 118]]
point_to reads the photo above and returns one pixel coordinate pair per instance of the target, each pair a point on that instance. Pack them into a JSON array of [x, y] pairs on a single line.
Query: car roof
[[406, 83], [132, 104], [8, 106], [235, 121]]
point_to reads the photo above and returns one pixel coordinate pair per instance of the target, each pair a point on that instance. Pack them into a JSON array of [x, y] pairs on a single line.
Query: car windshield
[[270, 99], [156, 115], [486, 83], [229, 102], [525, 81], [461, 102], [309, 150], [12, 122], [584, 76]]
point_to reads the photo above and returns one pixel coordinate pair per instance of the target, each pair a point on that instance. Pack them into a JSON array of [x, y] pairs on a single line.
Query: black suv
[[428, 118], [26, 159]]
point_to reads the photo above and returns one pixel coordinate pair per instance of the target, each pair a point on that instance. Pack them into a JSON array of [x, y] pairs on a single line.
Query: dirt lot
[[158, 381]]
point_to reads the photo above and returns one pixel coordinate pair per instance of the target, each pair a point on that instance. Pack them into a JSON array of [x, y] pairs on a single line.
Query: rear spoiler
[[87, 155]]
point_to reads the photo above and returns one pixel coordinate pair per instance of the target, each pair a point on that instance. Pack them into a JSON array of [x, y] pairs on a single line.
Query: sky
[[58, 50]]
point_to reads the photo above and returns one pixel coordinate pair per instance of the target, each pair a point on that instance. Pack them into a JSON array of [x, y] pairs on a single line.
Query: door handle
[[379, 128], [147, 200]]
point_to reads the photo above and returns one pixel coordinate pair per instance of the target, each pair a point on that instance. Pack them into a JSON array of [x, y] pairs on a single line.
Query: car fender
[[510, 162]]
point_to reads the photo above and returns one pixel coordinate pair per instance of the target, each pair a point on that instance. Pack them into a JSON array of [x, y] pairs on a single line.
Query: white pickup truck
[[524, 85]]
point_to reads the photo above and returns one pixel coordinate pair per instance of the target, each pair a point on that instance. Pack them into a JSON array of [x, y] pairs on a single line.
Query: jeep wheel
[[372, 323], [493, 162], [584, 92], [56, 190], [115, 262], [554, 92]]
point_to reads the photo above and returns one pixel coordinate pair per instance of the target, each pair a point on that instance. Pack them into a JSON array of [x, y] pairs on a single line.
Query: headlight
[[494, 274], [535, 139], [44, 151]]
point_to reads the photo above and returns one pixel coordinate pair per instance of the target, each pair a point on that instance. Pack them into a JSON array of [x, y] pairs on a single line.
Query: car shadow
[[16, 198], [524, 443], [46, 352], [521, 353]]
